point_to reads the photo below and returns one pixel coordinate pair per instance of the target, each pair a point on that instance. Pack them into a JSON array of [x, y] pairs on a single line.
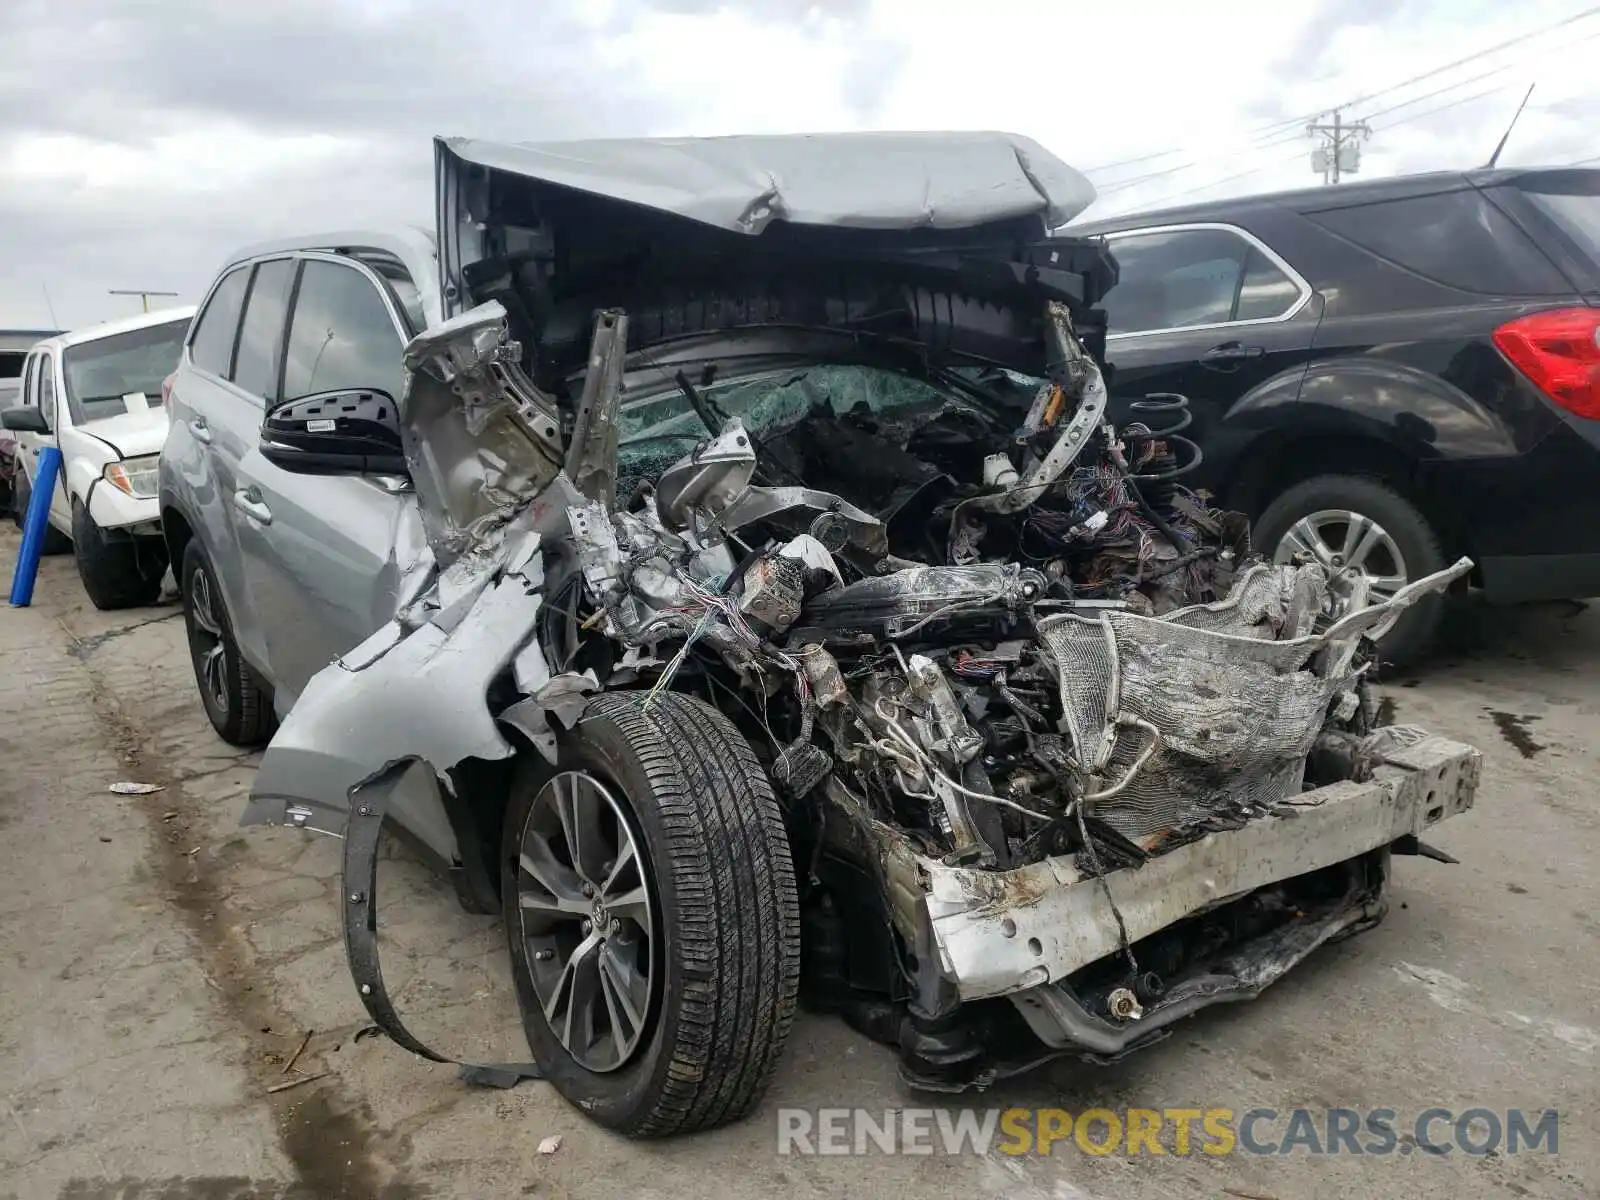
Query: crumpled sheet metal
[[479, 436], [409, 694], [844, 180], [1231, 691], [1000, 931]]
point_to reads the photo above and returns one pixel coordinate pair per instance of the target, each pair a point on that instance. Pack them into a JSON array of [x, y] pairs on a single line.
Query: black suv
[[1388, 374]]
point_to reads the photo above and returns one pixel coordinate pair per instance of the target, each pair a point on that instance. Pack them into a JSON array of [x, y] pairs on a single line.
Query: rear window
[[1577, 214], [99, 374], [1457, 239]]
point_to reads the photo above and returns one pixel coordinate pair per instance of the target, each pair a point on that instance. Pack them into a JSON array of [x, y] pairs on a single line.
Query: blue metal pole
[[34, 527]]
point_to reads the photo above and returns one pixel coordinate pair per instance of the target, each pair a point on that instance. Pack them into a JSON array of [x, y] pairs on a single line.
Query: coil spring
[[1157, 474]]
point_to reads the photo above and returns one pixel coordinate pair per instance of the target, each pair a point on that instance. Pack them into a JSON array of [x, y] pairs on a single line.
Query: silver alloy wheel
[[1338, 538], [205, 638], [584, 899]]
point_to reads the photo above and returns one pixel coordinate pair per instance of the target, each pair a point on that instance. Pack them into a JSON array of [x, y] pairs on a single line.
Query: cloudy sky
[[141, 140]]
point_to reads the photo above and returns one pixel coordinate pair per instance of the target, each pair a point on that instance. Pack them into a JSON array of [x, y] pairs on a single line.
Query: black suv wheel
[[1353, 521]]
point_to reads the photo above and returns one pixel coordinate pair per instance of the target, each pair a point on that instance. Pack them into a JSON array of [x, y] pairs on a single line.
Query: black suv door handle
[[1230, 352]]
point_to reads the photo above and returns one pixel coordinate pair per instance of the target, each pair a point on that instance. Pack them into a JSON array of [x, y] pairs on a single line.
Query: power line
[[1383, 112], [1206, 187], [1162, 200], [1444, 107], [1450, 66], [1128, 162], [1258, 143], [1123, 185]]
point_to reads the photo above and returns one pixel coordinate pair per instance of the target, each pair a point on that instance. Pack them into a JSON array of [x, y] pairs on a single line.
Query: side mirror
[[347, 432], [25, 419]]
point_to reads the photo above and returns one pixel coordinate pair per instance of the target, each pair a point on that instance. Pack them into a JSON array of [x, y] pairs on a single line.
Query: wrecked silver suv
[[795, 625]]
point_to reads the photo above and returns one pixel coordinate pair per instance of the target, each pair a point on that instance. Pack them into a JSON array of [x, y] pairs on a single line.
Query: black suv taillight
[[1559, 351]]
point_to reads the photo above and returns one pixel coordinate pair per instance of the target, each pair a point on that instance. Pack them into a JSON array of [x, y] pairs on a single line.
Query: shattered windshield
[[659, 429]]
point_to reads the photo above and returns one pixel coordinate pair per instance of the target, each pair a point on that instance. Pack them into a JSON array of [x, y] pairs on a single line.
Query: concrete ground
[[161, 967]]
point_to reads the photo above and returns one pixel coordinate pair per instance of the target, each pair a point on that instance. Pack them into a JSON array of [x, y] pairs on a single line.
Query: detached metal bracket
[[363, 832]]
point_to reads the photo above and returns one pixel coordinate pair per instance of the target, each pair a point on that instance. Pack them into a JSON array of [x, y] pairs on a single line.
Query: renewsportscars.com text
[[1168, 1131]]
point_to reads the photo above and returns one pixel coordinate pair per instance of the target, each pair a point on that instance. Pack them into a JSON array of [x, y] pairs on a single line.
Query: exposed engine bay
[[1010, 641], [976, 626]]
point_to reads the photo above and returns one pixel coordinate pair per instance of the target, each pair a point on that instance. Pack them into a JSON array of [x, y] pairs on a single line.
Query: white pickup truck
[[96, 394]]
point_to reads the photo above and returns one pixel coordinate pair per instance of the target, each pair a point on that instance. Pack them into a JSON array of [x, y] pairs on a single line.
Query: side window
[[1265, 292], [1183, 277], [46, 367], [1457, 239], [341, 335], [30, 372], [257, 361], [211, 345]]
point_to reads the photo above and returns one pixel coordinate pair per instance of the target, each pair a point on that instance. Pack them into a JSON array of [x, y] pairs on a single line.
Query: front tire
[[238, 705], [1355, 521], [115, 573], [652, 918]]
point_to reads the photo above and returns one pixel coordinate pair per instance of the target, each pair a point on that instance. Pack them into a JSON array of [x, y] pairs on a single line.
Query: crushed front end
[[1060, 761]]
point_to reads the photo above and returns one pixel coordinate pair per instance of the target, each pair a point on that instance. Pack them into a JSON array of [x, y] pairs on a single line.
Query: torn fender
[[397, 696]]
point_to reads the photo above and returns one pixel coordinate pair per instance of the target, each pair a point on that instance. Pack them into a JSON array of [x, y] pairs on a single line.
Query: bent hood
[[576, 220], [845, 180], [131, 434]]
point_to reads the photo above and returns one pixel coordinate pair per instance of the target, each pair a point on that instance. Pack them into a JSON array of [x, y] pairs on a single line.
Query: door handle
[[248, 501], [202, 432], [1230, 353]]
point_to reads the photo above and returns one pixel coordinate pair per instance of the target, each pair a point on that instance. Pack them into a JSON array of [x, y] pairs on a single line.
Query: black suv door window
[[341, 335], [1177, 278], [256, 363], [211, 345]]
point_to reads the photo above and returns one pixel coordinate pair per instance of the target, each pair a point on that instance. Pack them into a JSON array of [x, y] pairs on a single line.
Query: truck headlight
[[135, 476]]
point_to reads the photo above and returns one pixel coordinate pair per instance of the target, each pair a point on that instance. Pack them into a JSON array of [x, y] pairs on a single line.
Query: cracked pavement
[[162, 966]]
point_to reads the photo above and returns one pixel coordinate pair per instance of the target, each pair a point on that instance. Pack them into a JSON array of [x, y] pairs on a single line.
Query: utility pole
[[1341, 151], [144, 296]]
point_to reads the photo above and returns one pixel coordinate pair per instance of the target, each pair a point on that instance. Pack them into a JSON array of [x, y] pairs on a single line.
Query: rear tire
[[1409, 537], [115, 573], [723, 964], [237, 703], [55, 542]]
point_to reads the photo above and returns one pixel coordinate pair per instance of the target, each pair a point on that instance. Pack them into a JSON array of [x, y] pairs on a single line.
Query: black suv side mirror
[[347, 432], [26, 419]]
